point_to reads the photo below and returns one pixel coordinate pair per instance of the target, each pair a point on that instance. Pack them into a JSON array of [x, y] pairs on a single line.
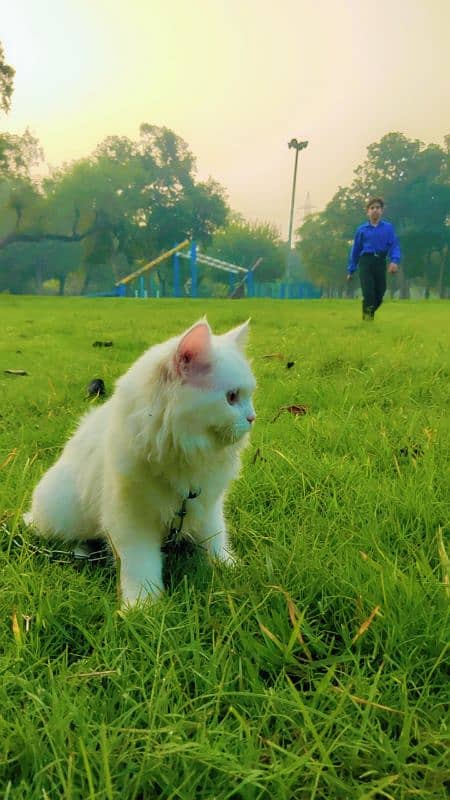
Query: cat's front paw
[[225, 556], [133, 595]]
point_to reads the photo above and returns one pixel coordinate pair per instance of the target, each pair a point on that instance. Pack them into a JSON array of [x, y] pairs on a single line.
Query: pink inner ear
[[193, 355]]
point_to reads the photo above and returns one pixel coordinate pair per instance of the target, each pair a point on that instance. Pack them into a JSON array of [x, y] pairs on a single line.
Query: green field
[[318, 667]]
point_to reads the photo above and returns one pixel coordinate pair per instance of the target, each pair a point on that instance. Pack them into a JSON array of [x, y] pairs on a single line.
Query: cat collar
[[175, 530]]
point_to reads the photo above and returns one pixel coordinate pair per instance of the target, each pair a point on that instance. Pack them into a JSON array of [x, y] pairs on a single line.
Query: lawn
[[318, 667]]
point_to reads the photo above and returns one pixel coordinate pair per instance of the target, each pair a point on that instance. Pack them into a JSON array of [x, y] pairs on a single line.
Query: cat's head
[[212, 386]]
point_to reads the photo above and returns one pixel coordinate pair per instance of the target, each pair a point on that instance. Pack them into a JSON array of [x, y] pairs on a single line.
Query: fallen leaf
[[301, 410], [366, 624], [296, 410], [294, 616], [279, 356], [9, 458], [17, 633], [96, 388], [445, 562], [364, 701], [271, 636], [102, 673], [414, 450]]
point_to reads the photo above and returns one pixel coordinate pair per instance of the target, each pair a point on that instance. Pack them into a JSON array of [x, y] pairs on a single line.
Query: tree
[[242, 243], [20, 196], [127, 201], [324, 253], [414, 180], [6, 82], [26, 266], [166, 202], [18, 155]]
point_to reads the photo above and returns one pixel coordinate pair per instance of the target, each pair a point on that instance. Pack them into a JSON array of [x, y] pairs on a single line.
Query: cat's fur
[[176, 422]]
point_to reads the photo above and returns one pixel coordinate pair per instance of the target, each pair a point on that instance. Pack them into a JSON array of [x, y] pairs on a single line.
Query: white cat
[[175, 424]]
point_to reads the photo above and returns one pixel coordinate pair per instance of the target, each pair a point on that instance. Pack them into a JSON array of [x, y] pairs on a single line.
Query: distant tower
[[307, 209]]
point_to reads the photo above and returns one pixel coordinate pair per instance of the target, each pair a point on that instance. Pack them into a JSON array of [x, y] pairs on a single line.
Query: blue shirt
[[374, 239]]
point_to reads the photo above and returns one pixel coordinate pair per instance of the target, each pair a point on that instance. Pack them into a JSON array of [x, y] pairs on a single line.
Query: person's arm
[[355, 254], [394, 252]]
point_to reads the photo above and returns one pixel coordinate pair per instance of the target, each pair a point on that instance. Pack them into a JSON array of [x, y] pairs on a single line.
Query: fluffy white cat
[[175, 424]]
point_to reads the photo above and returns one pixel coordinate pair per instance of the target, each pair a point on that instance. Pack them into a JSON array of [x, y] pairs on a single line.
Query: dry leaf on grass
[[17, 632], [10, 457], [102, 673], [364, 702], [278, 356], [366, 624], [445, 562], [294, 616], [296, 410], [96, 388], [271, 636]]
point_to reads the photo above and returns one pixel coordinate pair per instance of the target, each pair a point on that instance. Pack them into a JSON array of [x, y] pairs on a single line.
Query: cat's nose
[[251, 418]]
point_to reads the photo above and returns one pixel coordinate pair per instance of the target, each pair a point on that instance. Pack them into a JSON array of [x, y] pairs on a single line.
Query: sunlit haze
[[237, 79]]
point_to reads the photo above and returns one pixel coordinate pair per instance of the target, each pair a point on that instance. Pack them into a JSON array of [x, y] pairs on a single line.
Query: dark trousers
[[372, 274]]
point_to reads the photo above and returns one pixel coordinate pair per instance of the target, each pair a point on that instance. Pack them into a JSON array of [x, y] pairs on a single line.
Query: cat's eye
[[233, 397]]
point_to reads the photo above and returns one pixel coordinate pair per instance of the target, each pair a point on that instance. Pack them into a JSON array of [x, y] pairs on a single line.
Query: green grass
[[251, 683]]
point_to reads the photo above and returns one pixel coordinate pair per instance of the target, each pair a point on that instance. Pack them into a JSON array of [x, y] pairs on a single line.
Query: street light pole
[[297, 146]]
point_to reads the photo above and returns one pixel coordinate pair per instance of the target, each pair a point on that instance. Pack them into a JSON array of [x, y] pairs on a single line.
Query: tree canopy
[[7, 74], [126, 202], [129, 200], [414, 180], [243, 243]]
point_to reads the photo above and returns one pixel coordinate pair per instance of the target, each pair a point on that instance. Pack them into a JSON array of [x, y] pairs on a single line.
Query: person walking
[[375, 241]]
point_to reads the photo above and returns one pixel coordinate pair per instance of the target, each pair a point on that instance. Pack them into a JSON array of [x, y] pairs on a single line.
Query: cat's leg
[[140, 571], [65, 502], [138, 550], [213, 535], [57, 508]]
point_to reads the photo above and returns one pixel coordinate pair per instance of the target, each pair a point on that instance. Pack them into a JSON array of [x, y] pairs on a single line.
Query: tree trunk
[[62, 284], [38, 276], [162, 283], [392, 284], [86, 280], [441, 288], [403, 284], [427, 273]]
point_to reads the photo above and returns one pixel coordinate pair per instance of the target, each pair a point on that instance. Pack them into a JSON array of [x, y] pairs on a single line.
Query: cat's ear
[[239, 335], [192, 358]]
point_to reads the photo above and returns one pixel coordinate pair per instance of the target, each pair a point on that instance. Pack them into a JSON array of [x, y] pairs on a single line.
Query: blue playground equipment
[[137, 278], [240, 280]]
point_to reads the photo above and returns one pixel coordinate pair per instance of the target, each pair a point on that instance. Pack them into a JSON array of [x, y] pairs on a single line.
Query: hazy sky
[[237, 79]]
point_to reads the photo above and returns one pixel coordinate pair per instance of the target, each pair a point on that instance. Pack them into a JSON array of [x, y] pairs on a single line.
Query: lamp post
[[294, 143]]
